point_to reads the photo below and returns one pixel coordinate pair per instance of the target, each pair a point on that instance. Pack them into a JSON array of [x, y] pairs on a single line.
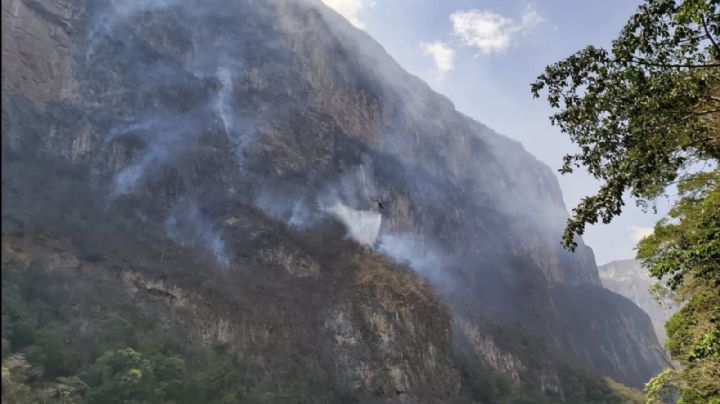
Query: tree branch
[[707, 32], [675, 65], [711, 111], [693, 143]]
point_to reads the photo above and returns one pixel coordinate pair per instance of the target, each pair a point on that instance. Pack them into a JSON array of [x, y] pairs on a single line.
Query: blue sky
[[483, 55]]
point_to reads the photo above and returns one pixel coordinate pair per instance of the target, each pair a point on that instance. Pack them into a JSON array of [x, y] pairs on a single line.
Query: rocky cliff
[[629, 279], [190, 159]]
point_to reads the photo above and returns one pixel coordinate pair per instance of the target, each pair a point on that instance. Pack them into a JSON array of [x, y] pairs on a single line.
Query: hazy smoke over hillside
[[250, 130], [213, 73], [406, 249], [186, 225], [164, 133]]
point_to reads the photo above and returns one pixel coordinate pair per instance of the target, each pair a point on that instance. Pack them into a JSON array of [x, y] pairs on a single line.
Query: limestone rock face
[[36, 50], [197, 146]]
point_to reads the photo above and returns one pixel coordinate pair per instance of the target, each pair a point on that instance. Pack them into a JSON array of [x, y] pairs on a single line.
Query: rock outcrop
[[629, 279]]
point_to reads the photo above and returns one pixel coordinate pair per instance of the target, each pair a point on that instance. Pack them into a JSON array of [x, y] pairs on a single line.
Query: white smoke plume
[[223, 100], [363, 226], [188, 226]]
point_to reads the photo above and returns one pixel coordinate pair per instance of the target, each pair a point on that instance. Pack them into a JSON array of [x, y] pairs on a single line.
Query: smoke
[[363, 226], [224, 98], [173, 108], [291, 208], [175, 100], [301, 216], [102, 25], [188, 226], [455, 177], [181, 91], [306, 206], [239, 128], [451, 147], [163, 135], [131, 175], [407, 249]]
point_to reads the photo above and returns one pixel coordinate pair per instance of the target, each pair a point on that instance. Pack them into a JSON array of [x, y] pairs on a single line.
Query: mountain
[[261, 176], [628, 278]]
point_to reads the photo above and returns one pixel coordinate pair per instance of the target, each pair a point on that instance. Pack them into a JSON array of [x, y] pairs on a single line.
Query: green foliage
[[582, 388], [49, 348], [18, 324], [483, 385], [643, 111], [662, 388], [123, 361], [15, 373], [626, 394], [114, 332], [688, 242], [220, 381], [126, 376], [684, 251]]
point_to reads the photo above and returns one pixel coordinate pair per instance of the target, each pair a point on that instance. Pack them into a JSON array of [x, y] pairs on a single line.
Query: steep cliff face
[[230, 129], [629, 279]]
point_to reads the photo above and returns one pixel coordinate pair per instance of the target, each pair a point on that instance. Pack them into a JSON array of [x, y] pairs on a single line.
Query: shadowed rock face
[[226, 130]]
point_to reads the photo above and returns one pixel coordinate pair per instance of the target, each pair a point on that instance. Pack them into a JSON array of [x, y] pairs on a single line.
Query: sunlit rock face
[[629, 279], [273, 140]]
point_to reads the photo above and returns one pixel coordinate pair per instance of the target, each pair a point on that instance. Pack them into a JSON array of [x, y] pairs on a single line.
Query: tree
[[642, 112], [684, 250], [125, 375], [646, 115], [15, 373]]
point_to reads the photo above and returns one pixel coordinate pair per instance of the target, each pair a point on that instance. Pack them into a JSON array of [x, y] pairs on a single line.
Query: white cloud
[[530, 19], [350, 9], [443, 56], [491, 32], [637, 233]]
